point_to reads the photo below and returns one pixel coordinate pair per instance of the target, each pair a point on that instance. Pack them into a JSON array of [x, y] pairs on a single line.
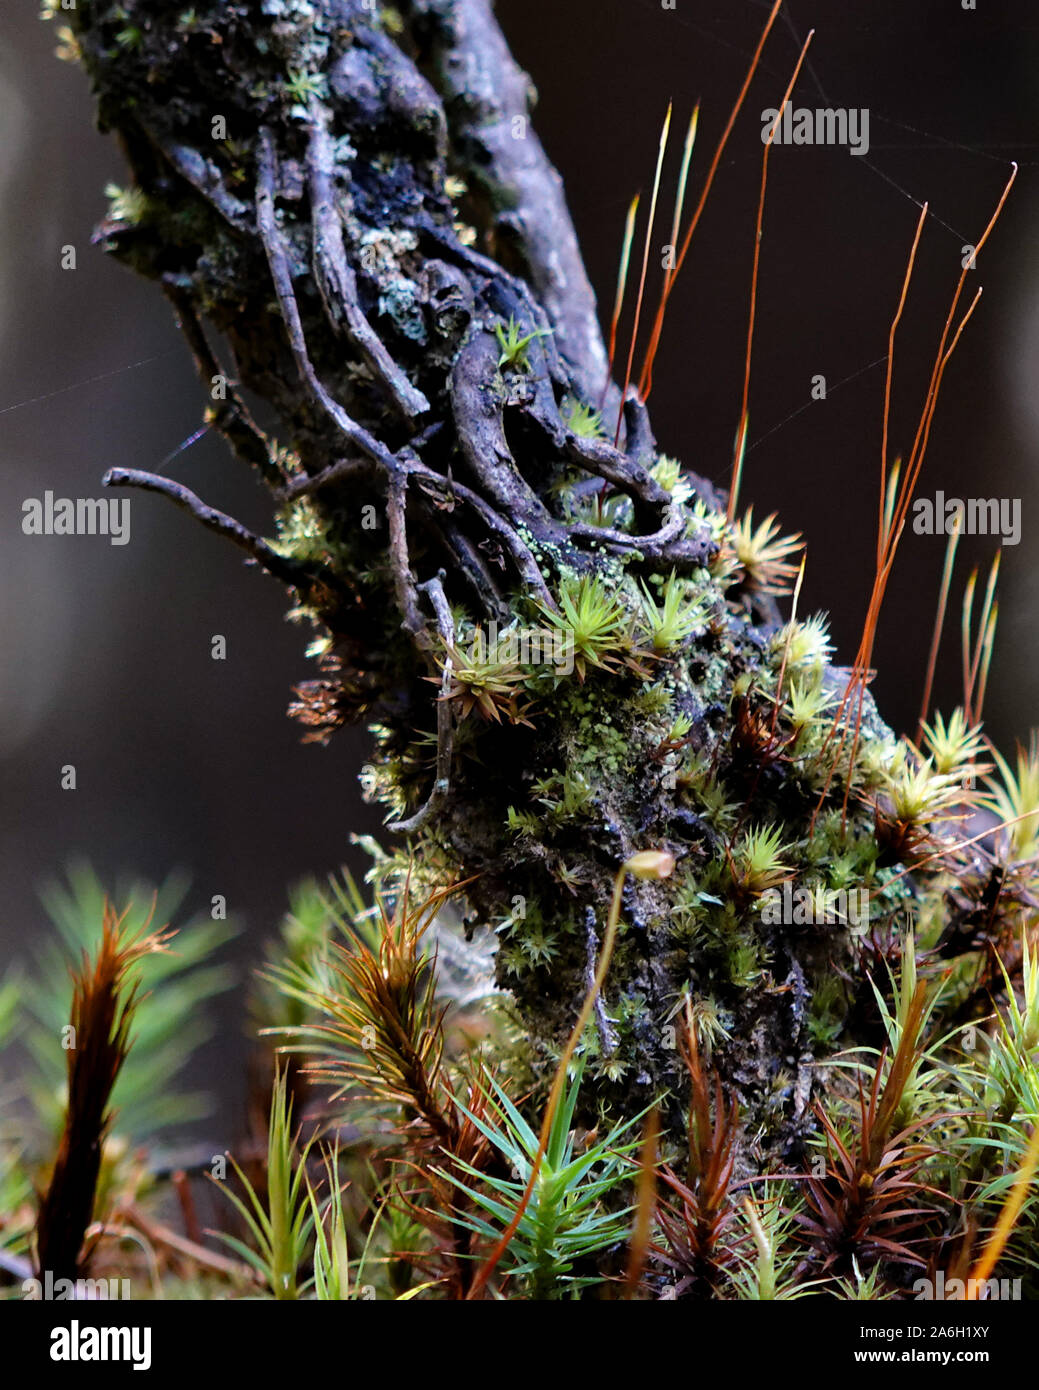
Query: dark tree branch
[[488, 99], [336, 279], [285, 570]]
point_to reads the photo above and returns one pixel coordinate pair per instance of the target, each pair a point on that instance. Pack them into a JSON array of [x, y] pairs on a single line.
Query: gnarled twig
[[277, 565], [445, 719], [335, 277]]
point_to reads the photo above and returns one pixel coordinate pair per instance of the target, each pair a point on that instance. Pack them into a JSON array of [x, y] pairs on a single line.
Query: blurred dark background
[[184, 762]]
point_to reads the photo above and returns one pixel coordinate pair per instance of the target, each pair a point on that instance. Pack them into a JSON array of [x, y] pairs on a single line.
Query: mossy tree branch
[[349, 201]]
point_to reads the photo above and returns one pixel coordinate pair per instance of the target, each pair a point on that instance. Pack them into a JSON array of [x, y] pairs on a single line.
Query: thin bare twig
[[230, 416], [434, 588], [281, 274], [403, 579], [224, 525], [336, 279], [334, 473]]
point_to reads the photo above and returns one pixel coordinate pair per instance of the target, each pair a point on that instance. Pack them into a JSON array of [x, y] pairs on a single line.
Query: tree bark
[[348, 208]]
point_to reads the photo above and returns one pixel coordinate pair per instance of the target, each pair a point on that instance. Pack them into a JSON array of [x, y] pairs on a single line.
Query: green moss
[[129, 205], [514, 343], [583, 420], [303, 531]]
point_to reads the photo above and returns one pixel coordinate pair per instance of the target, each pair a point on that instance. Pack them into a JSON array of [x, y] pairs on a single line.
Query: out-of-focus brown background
[[184, 762]]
